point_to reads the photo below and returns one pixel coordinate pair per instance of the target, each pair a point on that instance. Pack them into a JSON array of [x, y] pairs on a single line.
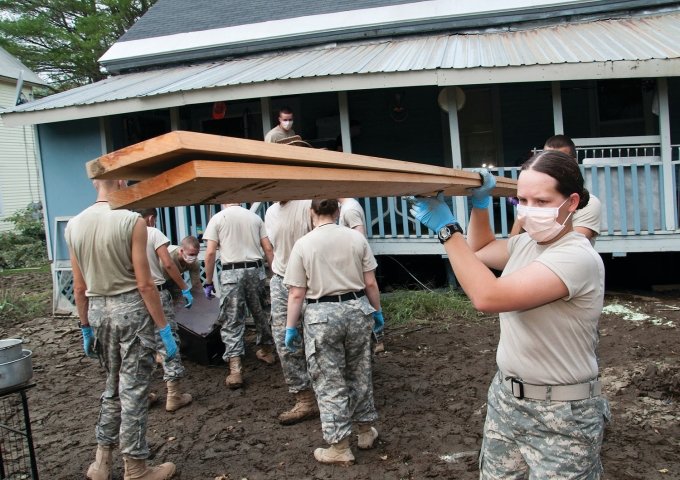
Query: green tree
[[62, 39]]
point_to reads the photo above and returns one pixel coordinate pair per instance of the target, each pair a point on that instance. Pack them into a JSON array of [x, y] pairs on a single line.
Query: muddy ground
[[430, 389]]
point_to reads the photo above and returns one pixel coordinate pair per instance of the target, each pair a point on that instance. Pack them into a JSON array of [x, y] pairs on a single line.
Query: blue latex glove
[[431, 211], [168, 342], [481, 196], [88, 341], [188, 297], [378, 321], [209, 290], [292, 337]]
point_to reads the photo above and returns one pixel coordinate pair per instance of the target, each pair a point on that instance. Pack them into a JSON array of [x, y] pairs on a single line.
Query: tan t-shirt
[[101, 240], [554, 344], [238, 233], [589, 217], [155, 239], [329, 260], [351, 214], [277, 133], [285, 225]]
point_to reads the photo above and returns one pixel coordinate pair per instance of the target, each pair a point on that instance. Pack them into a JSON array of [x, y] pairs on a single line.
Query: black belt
[[338, 298], [164, 286], [236, 265]]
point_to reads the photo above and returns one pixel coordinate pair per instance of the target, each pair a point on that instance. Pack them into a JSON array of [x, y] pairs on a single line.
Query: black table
[[15, 434]]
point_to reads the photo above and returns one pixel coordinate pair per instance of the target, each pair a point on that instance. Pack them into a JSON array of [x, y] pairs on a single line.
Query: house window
[[245, 125], [609, 108], [476, 128], [624, 106]]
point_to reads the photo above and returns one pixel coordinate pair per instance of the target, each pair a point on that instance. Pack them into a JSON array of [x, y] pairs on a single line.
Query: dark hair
[[567, 173], [325, 207], [561, 141], [148, 212], [284, 109]]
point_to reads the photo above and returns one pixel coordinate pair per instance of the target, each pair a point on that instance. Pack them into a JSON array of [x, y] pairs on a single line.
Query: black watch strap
[[447, 231]]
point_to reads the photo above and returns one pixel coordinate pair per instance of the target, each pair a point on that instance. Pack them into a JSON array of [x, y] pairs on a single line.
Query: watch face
[[445, 232]]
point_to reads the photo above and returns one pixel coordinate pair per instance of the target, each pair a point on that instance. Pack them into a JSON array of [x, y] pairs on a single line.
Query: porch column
[[345, 133], [456, 155], [666, 155], [557, 108], [180, 212], [266, 110]]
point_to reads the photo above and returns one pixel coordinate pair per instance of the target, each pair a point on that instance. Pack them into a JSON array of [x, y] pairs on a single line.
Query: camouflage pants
[[540, 439], [294, 365], [125, 336], [338, 349], [172, 369], [241, 287]]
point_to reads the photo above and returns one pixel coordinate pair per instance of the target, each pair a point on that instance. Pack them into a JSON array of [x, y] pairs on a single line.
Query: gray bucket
[[17, 371], [10, 349]]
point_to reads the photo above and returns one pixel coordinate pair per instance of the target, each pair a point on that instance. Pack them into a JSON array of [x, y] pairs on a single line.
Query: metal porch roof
[[630, 47]]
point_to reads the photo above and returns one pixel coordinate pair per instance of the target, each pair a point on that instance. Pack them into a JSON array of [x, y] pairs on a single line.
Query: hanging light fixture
[[443, 98]]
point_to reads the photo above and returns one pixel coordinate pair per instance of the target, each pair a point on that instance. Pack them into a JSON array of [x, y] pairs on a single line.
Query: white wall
[[19, 180]]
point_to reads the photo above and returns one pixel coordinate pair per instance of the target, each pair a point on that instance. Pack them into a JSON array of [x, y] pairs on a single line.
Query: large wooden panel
[[159, 154], [213, 182]]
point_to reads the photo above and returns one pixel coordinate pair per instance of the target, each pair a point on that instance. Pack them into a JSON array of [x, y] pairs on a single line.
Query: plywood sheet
[[214, 182], [157, 155]]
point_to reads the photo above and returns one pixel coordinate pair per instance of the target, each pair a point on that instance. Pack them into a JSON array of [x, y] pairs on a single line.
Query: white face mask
[[286, 124], [190, 258], [541, 222]]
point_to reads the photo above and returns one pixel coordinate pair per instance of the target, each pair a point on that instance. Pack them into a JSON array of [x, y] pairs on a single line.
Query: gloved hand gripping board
[[187, 168]]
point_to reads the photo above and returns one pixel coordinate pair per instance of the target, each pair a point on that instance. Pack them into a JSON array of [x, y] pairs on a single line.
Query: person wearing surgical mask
[[284, 129], [185, 257], [545, 412], [586, 220]]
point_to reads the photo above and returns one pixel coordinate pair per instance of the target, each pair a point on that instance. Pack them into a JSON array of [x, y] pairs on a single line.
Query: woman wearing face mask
[[545, 416]]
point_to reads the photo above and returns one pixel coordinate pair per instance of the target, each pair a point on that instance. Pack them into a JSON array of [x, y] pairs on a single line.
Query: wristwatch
[[448, 230]]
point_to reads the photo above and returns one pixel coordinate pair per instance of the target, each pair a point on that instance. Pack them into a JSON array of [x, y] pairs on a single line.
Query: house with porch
[[456, 84]]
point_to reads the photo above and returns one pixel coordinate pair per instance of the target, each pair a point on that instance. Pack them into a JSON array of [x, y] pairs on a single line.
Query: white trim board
[[324, 23]]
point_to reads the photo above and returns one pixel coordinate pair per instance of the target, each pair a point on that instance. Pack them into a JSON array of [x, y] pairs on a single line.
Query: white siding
[[19, 173]]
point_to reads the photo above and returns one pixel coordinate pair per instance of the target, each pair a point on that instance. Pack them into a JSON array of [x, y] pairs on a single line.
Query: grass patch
[[419, 306], [24, 306]]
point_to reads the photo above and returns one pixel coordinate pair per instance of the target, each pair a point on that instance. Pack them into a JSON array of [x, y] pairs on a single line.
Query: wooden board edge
[[159, 184], [102, 166]]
